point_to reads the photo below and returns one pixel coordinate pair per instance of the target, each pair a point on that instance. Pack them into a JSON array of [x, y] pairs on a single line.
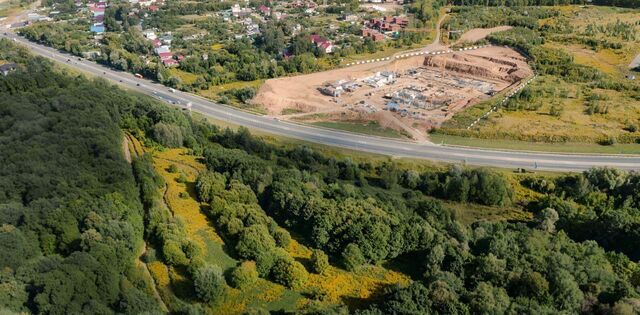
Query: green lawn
[[536, 146], [370, 128]]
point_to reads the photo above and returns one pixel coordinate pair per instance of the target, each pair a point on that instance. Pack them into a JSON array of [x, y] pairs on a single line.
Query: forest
[[71, 223], [75, 216]]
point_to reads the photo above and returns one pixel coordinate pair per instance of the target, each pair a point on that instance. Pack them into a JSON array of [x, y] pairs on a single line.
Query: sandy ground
[[459, 80], [476, 34]]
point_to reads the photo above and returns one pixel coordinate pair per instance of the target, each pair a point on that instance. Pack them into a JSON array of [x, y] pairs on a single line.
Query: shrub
[[264, 263], [172, 168], [244, 275], [254, 241], [352, 257], [209, 283], [610, 140], [319, 261], [173, 254], [289, 272], [182, 178], [282, 237]]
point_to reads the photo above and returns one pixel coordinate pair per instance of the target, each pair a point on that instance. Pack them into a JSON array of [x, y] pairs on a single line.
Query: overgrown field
[[582, 93]]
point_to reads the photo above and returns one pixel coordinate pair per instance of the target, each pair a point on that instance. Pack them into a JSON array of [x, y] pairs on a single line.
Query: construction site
[[413, 94]]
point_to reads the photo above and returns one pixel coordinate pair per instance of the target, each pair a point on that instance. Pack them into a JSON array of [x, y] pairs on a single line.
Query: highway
[[371, 144]]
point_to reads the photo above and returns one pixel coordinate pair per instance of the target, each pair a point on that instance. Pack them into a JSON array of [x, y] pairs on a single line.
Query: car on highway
[[172, 90]]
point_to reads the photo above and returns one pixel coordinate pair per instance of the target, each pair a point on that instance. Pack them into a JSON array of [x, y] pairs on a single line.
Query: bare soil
[[476, 34], [448, 83]]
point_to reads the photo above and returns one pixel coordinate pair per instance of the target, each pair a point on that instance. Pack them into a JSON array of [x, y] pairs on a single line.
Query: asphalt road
[[396, 148]]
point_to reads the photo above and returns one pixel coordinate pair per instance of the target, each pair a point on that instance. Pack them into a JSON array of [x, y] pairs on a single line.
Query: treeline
[[601, 205], [465, 18], [71, 223], [489, 268]]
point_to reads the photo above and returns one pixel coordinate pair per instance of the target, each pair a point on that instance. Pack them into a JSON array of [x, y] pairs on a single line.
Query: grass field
[[214, 93], [571, 147], [185, 77], [574, 124], [369, 128]]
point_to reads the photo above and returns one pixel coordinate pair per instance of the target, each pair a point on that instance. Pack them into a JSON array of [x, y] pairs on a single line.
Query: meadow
[[560, 109]]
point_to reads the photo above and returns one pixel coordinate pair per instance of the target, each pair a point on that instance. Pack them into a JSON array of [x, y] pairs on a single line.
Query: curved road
[[397, 148]]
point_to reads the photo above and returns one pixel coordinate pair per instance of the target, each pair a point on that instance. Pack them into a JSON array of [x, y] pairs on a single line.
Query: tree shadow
[[182, 286], [356, 303], [407, 264]]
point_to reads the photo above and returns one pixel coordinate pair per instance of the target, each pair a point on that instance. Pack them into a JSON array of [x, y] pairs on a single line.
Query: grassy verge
[[369, 128], [536, 146], [214, 93]]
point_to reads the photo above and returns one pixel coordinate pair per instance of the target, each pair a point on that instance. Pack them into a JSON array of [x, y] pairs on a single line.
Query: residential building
[[265, 10], [149, 34], [322, 43]]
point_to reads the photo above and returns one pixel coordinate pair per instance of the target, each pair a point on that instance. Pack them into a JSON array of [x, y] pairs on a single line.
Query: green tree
[[209, 283], [244, 275], [547, 219], [289, 272], [168, 135], [254, 241], [282, 237], [319, 261], [352, 257]]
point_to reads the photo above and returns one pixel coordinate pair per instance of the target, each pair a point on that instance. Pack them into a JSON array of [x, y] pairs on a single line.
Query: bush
[[289, 272], [255, 241], [209, 283], [610, 140], [172, 168], [244, 275], [319, 261], [352, 257], [282, 237], [173, 254], [264, 263]]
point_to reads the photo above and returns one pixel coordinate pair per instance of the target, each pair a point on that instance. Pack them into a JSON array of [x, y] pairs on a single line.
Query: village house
[[264, 10], [239, 12], [373, 34], [322, 43], [149, 34], [391, 24]]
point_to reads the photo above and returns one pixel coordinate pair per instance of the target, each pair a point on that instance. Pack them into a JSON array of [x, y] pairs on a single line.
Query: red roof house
[[265, 10], [165, 55]]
